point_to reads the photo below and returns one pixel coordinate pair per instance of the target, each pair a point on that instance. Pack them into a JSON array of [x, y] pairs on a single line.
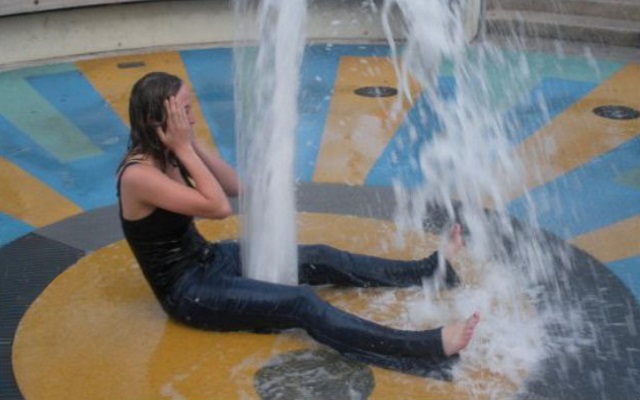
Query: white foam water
[[266, 87], [469, 167]]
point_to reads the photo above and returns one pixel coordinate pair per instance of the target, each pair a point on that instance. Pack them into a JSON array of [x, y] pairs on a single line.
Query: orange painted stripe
[[358, 128], [29, 200], [115, 82], [614, 242], [578, 135]]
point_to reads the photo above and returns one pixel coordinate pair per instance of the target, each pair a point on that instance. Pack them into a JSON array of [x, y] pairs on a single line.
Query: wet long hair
[[146, 113]]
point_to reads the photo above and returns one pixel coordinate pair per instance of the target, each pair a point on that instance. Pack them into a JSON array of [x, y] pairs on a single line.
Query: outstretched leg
[[322, 264], [214, 296], [232, 303]]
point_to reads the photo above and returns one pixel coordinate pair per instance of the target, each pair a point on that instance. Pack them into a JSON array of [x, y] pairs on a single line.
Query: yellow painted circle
[[97, 331]]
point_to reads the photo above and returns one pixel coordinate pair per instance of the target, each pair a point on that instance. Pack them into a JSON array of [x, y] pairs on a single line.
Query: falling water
[[467, 167], [266, 107]]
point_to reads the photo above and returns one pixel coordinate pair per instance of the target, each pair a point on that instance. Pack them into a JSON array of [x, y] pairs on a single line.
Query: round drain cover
[[313, 374], [376, 91], [616, 112]]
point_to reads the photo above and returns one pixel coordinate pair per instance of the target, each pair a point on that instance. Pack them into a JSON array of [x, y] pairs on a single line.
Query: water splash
[[516, 277], [266, 90], [469, 171]]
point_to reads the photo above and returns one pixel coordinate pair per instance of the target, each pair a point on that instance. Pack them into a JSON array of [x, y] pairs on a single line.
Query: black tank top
[[164, 243]]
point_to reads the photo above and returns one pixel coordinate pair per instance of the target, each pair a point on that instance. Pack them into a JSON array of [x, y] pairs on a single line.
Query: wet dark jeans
[[213, 295]]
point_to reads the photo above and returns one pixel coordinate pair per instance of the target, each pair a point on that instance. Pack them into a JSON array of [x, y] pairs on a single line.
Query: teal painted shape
[[508, 76], [585, 69], [527, 70], [34, 116]]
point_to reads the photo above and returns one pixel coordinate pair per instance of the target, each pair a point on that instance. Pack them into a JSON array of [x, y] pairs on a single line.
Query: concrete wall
[[35, 38], [12, 7]]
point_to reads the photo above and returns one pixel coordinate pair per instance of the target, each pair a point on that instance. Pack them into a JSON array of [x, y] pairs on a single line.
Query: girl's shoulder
[[134, 160]]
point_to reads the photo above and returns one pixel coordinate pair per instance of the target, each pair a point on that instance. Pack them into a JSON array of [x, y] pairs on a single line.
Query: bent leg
[[322, 264]]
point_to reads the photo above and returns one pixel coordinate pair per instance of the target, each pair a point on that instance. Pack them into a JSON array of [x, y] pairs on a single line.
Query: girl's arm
[[225, 174], [146, 187]]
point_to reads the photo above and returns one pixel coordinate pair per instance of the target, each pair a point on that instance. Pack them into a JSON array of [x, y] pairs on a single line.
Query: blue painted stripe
[[574, 203], [211, 75], [545, 101], [317, 84], [11, 228], [399, 160], [21, 104], [75, 98], [28, 155], [318, 75], [88, 182], [628, 270]]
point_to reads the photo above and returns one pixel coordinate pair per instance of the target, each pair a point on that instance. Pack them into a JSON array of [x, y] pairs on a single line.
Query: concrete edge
[[43, 37]]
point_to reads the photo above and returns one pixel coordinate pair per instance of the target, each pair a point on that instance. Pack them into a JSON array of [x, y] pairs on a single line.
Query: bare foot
[[454, 242], [456, 337]]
